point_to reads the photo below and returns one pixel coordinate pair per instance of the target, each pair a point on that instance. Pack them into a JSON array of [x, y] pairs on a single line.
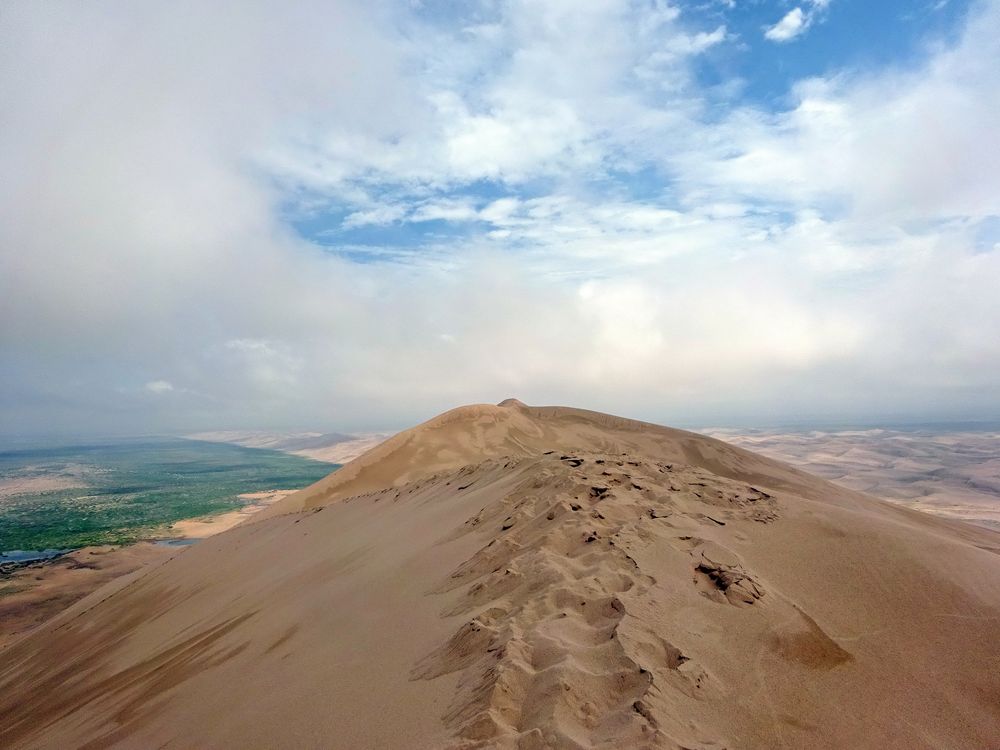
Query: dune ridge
[[471, 433], [518, 577], [557, 656]]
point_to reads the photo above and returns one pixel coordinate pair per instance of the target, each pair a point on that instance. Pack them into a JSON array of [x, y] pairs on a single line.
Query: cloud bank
[[356, 215]]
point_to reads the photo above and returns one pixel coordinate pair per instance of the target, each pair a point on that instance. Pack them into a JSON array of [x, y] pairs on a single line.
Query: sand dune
[[203, 527], [516, 577], [331, 447]]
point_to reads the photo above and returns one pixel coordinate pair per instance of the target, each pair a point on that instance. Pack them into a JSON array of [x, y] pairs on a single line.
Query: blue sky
[[349, 215], [844, 35], [739, 66]]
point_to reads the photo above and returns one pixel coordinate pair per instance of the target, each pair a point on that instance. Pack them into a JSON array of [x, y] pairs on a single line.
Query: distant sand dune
[[951, 474], [331, 447], [12, 486], [517, 577]]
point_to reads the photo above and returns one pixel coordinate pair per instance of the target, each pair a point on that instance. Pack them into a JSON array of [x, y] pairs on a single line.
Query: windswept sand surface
[[951, 474], [31, 594], [516, 577]]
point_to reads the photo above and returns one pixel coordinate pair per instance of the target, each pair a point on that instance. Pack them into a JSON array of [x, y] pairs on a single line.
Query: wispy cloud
[[790, 26], [796, 21], [159, 386]]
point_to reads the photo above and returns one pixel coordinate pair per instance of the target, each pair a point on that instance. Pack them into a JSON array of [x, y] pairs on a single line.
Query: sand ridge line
[[556, 654]]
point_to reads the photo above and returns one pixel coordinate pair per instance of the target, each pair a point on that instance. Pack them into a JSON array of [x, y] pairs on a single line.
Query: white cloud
[[271, 367], [790, 26], [541, 95], [378, 216], [794, 23], [159, 386], [898, 146], [445, 210]]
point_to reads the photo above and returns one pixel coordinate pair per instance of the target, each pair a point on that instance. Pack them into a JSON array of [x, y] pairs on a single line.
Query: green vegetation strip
[[137, 487]]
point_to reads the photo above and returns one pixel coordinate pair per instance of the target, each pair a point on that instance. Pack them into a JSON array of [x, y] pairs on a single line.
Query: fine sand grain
[[517, 577]]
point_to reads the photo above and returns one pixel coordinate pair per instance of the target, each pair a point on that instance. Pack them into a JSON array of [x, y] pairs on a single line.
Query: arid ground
[[949, 473]]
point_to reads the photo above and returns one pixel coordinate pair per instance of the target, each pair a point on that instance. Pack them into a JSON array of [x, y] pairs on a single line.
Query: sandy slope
[[524, 578], [31, 594]]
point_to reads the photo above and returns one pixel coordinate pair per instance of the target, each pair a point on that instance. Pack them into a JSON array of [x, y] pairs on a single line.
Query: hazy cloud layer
[[355, 215]]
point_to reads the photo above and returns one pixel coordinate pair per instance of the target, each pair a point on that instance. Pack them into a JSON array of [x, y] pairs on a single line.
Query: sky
[[355, 215]]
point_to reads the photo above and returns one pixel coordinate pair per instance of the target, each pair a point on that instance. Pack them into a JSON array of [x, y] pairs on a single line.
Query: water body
[[25, 556], [120, 492]]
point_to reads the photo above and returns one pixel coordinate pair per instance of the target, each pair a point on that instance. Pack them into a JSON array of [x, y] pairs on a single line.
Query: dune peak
[[513, 403]]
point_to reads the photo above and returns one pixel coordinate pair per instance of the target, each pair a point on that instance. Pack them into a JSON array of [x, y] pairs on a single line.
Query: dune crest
[[537, 577], [469, 434]]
